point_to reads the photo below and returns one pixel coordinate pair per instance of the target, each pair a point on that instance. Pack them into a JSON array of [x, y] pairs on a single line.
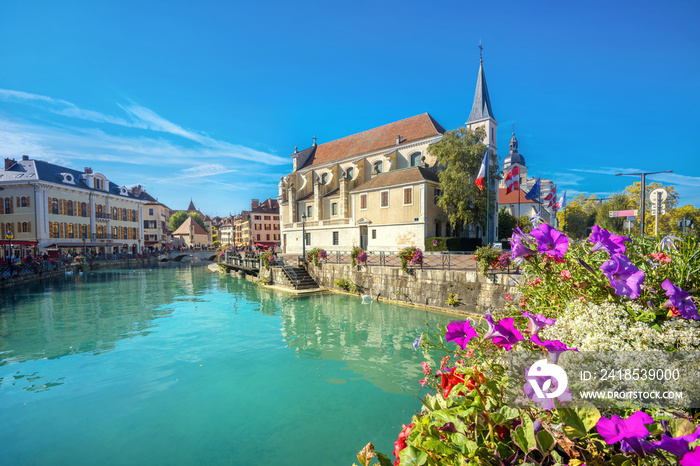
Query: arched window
[[69, 208], [415, 159], [378, 166], [54, 206], [25, 202], [324, 179], [350, 173], [8, 205]]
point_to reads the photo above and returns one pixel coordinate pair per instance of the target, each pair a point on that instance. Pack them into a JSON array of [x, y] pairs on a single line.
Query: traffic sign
[[659, 194], [662, 211], [623, 213]]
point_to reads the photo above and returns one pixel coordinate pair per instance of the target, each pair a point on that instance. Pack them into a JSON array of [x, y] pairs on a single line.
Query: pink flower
[[565, 274], [661, 257], [422, 382], [509, 297], [426, 368]]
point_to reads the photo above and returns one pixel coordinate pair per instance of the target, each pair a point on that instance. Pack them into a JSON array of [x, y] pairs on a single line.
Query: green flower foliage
[[485, 257]]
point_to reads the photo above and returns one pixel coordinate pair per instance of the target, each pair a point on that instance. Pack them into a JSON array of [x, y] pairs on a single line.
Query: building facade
[[54, 209], [156, 221], [377, 189], [265, 223]]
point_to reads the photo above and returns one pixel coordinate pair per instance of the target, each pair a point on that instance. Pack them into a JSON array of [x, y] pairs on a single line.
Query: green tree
[[179, 217], [579, 215], [460, 153], [618, 201], [506, 223], [525, 224], [687, 212], [634, 192]]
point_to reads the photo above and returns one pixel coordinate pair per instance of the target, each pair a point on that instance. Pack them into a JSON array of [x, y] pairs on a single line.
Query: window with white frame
[[334, 208], [408, 196], [383, 198], [374, 233], [309, 211]]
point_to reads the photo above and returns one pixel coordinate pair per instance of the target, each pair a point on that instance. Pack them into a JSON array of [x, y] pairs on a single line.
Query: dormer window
[[324, 179], [68, 178], [350, 173], [377, 167], [415, 159], [123, 191]]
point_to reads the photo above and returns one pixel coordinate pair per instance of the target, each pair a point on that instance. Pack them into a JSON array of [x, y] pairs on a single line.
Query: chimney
[[88, 170], [25, 157], [296, 150], [398, 139], [254, 203], [9, 163]]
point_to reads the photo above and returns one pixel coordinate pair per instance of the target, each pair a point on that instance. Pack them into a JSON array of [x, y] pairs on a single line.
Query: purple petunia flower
[[535, 323], [460, 332], [624, 277], [603, 239], [551, 345], [615, 429], [679, 446], [502, 333], [550, 241], [681, 300], [692, 458], [448, 427], [517, 244]]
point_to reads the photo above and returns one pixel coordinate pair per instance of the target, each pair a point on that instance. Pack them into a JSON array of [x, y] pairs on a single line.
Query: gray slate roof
[[481, 109], [38, 170]]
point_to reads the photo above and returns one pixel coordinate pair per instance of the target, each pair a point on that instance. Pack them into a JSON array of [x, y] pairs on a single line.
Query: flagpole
[[488, 192], [519, 200]]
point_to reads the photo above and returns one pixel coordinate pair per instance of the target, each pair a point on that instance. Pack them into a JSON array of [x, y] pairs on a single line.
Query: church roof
[[191, 208], [384, 137], [399, 177], [184, 229], [481, 109]]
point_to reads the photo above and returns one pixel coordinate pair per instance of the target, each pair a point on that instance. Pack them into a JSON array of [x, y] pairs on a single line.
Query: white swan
[[367, 297]]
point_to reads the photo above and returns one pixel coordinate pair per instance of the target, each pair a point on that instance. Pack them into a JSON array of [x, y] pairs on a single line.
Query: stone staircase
[[304, 281]]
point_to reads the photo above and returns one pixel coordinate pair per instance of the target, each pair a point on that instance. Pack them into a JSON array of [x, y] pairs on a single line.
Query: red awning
[[265, 245], [19, 243]]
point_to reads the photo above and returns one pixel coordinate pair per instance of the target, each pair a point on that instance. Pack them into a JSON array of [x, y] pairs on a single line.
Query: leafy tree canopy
[[179, 217], [579, 215], [460, 153], [506, 223]]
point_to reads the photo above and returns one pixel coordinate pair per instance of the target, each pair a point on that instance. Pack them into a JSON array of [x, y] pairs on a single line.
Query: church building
[[377, 189]]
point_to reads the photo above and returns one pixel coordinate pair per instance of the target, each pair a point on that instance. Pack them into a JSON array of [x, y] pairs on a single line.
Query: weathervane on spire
[[481, 59], [314, 138]]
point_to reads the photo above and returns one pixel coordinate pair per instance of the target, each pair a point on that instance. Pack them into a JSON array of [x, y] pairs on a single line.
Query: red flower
[[400, 444], [565, 274], [501, 432], [661, 257]]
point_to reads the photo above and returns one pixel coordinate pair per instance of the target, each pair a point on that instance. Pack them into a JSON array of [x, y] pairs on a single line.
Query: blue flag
[[534, 193]]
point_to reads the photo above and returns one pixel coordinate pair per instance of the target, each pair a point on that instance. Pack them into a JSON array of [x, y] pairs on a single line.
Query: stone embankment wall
[[428, 287]]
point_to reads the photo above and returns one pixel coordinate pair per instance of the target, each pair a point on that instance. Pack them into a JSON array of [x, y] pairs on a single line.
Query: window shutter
[[28, 201], [60, 230], [60, 207], [2, 208], [18, 201], [29, 227]]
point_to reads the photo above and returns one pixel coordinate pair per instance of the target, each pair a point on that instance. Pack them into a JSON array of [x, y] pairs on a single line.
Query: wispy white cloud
[[204, 170], [138, 117]]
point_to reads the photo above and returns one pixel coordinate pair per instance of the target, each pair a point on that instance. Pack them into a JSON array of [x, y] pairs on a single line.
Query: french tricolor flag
[[483, 171]]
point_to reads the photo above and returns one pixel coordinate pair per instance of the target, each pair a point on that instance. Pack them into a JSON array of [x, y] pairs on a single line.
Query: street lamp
[[9, 235], [643, 194], [303, 236]]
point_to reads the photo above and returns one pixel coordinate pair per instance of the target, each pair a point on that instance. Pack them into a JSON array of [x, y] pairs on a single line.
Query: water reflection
[[88, 314]]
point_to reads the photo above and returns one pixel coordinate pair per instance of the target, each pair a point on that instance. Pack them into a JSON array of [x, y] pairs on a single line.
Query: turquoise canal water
[[185, 367]]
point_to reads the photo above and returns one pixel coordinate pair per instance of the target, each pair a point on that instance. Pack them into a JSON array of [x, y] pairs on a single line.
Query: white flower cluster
[[609, 326]]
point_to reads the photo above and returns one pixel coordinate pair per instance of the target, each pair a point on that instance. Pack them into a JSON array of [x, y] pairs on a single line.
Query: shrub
[[453, 300], [451, 244], [347, 285]]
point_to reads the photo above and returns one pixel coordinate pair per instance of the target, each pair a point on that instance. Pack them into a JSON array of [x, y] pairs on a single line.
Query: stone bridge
[[178, 256]]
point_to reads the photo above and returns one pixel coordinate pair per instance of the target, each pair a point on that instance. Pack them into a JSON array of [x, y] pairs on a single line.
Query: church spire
[[481, 109]]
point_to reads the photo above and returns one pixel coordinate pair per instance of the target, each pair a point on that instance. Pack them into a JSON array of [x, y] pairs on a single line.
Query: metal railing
[[443, 260], [288, 271]]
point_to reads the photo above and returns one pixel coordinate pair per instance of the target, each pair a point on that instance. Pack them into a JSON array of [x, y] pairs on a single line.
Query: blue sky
[[207, 100]]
